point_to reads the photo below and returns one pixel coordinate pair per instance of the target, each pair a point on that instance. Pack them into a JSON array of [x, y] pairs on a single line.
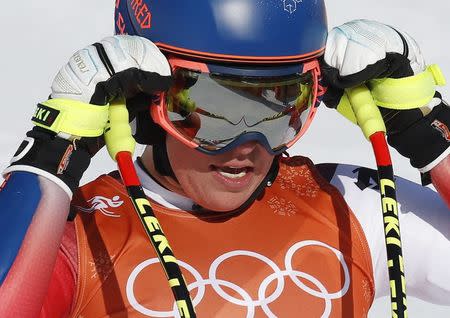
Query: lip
[[235, 164], [235, 184]]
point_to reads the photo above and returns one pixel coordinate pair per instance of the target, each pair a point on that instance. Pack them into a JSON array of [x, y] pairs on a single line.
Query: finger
[[128, 84], [127, 51]]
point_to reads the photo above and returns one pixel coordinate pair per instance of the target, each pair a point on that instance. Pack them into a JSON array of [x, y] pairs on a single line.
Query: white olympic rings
[[263, 301]]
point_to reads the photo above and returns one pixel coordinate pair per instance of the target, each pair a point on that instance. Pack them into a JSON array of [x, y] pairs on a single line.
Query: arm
[[425, 227], [47, 168], [34, 212], [440, 175], [415, 116]]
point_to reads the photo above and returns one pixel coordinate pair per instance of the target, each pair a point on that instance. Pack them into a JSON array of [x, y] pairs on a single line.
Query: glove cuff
[[427, 141], [57, 159]]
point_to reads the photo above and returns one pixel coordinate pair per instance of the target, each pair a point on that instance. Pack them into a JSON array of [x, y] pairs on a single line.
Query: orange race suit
[[297, 251]]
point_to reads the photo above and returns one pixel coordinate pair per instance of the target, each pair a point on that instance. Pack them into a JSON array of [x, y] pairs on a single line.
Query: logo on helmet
[[291, 5], [120, 24], [142, 13]]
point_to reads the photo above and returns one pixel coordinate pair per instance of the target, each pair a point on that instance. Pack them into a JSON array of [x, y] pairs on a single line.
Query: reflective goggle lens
[[213, 110]]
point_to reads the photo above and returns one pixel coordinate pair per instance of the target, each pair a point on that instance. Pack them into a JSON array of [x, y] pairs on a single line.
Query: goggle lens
[[213, 111]]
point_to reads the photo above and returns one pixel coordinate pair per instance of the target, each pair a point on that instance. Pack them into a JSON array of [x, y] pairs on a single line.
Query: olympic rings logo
[[263, 301]]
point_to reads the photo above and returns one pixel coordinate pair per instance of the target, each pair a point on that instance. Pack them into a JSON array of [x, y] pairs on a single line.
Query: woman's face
[[219, 182]]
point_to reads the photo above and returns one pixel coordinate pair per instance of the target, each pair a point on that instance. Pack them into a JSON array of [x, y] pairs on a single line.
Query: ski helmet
[[258, 58]]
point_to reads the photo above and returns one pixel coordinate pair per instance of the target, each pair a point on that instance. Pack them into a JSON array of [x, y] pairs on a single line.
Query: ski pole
[[121, 145], [369, 119]]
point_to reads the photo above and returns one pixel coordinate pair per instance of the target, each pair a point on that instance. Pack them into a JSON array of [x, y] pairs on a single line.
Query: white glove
[[121, 64], [355, 45], [118, 66], [363, 51]]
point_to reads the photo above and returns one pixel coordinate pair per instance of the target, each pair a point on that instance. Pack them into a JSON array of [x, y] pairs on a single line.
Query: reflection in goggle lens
[[214, 110]]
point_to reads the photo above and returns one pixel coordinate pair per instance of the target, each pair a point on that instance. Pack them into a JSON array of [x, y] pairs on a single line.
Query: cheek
[[191, 168], [189, 165], [184, 159], [263, 162]]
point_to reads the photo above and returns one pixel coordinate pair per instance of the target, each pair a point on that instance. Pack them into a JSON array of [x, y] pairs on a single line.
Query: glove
[[69, 126], [390, 63]]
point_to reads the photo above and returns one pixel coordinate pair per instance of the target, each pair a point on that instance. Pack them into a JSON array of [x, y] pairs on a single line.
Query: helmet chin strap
[[161, 160]]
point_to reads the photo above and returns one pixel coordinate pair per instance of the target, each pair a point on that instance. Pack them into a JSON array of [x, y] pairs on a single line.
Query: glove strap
[[71, 117], [407, 92], [399, 94]]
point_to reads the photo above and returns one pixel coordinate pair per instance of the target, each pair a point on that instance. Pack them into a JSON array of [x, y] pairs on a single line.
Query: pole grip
[[118, 135], [366, 111]]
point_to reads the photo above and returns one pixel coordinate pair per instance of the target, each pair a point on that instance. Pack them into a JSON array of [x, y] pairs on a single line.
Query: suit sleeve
[[32, 221], [425, 230]]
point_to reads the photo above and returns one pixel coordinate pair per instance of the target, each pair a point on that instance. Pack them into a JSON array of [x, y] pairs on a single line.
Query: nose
[[245, 149]]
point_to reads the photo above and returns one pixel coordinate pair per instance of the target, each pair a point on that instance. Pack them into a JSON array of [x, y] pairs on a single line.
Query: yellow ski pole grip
[[366, 111], [118, 135]]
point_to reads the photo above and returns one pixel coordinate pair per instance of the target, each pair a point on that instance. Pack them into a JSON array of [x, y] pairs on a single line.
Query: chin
[[224, 202]]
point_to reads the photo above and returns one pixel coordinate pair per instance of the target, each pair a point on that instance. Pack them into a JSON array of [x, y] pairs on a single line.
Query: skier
[[256, 233]]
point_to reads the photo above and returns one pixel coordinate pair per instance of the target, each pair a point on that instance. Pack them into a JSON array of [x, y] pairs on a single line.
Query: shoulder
[[110, 181], [302, 172], [102, 193], [358, 184], [360, 188], [305, 183]]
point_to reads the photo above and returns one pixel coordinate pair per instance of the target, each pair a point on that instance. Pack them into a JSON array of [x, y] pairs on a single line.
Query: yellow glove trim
[[118, 134], [71, 117], [365, 110], [408, 92]]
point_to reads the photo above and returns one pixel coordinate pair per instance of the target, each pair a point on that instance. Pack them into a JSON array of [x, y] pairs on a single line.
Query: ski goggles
[[215, 113]]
